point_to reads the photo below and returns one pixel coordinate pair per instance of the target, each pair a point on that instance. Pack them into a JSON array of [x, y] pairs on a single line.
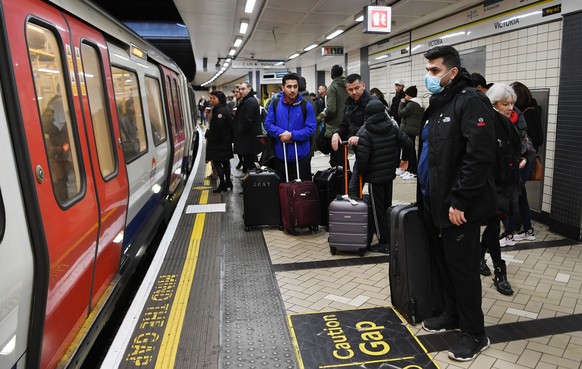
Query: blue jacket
[[290, 118]]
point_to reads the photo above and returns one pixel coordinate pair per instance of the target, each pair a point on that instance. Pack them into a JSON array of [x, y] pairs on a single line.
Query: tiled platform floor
[[547, 281]]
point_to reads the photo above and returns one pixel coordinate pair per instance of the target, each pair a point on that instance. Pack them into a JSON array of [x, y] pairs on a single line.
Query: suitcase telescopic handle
[[296, 162], [346, 186]]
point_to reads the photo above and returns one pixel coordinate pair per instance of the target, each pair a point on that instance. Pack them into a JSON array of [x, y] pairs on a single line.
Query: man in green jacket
[[332, 115]]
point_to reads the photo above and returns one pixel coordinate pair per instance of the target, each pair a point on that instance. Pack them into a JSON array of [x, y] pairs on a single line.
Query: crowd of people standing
[[451, 148]]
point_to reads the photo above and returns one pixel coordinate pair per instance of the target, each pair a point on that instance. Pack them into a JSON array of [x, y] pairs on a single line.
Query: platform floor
[[230, 294]]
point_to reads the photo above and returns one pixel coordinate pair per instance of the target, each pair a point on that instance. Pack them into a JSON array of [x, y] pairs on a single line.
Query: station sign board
[[257, 64], [332, 51]]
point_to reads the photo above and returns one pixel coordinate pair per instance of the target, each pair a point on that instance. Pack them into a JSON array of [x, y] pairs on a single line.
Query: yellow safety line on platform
[[171, 339]]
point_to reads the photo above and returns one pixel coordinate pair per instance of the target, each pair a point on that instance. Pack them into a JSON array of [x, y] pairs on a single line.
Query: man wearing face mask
[[456, 191]]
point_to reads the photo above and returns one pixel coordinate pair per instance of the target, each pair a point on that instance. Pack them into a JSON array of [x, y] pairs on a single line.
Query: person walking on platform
[[377, 154], [247, 125], [410, 111], [456, 192], [219, 138], [287, 123], [353, 119], [331, 116]]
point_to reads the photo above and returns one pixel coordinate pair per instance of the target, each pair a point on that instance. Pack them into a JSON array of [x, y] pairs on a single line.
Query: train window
[[155, 109], [129, 110], [46, 60], [101, 122], [171, 107], [177, 107]]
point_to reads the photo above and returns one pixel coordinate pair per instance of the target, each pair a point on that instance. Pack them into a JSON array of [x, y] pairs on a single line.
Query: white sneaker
[[525, 235], [506, 240], [409, 176], [404, 174], [399, 171]]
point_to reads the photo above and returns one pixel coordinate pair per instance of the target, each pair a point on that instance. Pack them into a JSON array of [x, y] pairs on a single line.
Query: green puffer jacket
[[411, 115]]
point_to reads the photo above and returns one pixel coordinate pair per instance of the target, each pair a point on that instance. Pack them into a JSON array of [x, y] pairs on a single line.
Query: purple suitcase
[[348, 221], [299, 201]]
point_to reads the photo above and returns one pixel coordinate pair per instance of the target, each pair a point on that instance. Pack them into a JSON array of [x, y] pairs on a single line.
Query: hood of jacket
[[417, 100], [378, 123]]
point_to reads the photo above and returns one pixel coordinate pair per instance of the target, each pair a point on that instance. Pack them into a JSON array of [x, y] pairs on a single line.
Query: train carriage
[[96, 132]]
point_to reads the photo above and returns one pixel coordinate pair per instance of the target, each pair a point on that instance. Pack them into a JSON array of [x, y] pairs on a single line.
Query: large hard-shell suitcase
[[415, 288], [261, 198], [299, 201], [348, 221], [330, 183]]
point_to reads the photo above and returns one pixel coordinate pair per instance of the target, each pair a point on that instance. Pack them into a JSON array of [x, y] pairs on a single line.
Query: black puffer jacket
[[247, 125], [378, 148], [461, 152], [219, 136], [354, 115]]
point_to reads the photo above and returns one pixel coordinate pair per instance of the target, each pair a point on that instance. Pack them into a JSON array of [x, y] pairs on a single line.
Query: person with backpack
[[531, 111], [290, 119], [506, 174]]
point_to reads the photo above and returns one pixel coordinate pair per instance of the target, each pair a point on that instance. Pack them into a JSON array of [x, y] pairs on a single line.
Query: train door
[[48, 96], [110, 178], [176, 127], [16, 262]]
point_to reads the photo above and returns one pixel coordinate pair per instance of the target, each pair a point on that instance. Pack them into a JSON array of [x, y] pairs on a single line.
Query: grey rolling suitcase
[[415, 288], [348, 221]]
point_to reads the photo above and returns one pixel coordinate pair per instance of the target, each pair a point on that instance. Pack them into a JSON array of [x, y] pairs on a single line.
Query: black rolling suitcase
[[330, 183], [261, 198], [349, 228], [415, 287]]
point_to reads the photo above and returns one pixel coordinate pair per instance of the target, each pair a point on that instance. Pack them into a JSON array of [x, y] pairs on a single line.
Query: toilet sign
[[377, 19]]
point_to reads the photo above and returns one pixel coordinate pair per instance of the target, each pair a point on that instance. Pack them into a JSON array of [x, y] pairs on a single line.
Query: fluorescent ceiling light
[[249, 6], [359, 17], [310, 47], [244, 25], [294, 56], [232, 52], [238, 41], [334, 33]]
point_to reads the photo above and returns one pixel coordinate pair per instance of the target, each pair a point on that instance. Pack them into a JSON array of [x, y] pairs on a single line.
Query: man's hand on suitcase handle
[[285, 137]]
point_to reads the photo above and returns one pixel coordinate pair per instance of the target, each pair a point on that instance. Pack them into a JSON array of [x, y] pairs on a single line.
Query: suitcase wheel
[[362, 251], [280, 227], [247, 228], [333, 250], [314, 228]]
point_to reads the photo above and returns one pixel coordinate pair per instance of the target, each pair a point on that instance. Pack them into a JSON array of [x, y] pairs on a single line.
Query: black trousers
[[223, 170], [410, 155], [490, 240], [248, 161], [456, 252], [381, 197]]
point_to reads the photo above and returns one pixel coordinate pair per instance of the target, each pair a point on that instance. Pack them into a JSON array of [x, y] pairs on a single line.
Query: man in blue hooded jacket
[[291, 120]]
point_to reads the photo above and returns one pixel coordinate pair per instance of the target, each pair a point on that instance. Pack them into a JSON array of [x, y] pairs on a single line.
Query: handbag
[[538, 170]]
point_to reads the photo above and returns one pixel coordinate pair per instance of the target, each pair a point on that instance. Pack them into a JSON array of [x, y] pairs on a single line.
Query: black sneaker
[[380, 247], [484, 269], [441, 323], [468, 347]]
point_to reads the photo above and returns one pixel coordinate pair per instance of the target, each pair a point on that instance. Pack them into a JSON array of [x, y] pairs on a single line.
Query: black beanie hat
[[411, 91], [374, 106]]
